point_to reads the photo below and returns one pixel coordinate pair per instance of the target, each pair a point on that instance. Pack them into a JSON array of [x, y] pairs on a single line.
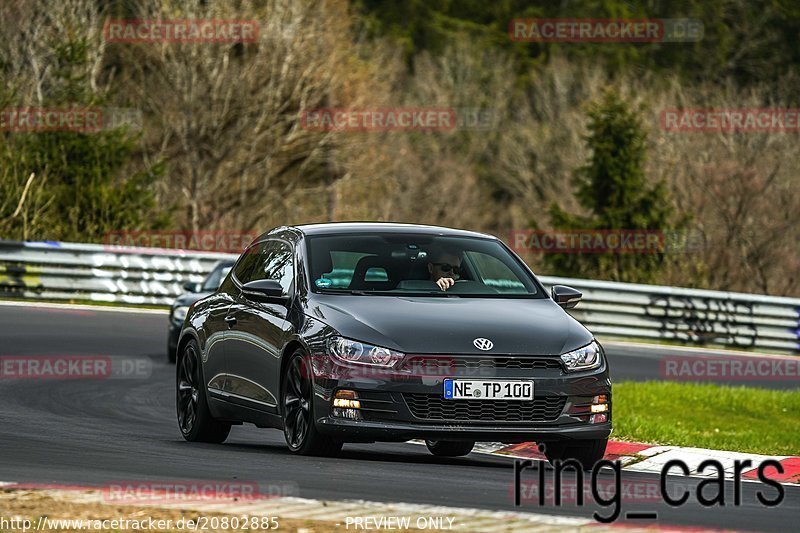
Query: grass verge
[[703, 415]]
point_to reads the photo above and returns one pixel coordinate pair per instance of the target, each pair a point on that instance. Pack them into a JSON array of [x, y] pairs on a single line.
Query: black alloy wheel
[[299, 428], [194, 418]]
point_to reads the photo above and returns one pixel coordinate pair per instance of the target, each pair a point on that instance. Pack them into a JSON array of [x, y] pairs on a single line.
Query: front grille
[[434, 407], [476, 363]]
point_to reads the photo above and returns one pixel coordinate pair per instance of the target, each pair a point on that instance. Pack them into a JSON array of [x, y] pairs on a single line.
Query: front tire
[[297, 400], [194, 418], [586, 452], [449, 448]]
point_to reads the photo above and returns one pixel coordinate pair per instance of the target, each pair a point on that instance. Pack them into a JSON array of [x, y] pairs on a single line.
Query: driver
[[444, 268]]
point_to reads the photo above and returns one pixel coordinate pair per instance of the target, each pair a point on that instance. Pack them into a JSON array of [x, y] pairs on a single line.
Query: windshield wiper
[[349, 291], [360, 292], [399, 293]]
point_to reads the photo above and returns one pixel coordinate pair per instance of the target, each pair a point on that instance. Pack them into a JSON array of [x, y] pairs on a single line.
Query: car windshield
[[397, 263], [214, 280]]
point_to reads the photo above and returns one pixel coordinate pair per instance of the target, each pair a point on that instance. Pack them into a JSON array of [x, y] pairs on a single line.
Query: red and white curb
[[640, 457]]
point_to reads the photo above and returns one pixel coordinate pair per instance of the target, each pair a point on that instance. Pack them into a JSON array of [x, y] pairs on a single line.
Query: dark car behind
[[195, 292]]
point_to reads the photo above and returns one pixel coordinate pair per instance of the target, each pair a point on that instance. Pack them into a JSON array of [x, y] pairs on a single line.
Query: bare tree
[[739, 190], [29, 39], [227, 118]]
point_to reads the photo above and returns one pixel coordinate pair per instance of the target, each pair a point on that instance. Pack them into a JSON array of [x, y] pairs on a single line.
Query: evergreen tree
[[614, 191], [87, 183]]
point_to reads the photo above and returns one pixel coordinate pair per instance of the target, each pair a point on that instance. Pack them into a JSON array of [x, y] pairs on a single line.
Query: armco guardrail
[[68, 271], [101, 273], [691, 316]]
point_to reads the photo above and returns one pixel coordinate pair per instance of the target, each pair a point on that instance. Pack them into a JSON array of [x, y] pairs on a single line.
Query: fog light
[[601, 408], [346, 399], [346, 405], [352, 414], [598, 419]]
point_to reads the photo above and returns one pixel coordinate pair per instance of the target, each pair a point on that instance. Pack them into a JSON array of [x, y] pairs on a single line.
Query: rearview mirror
[[262, 288], [566, 297]]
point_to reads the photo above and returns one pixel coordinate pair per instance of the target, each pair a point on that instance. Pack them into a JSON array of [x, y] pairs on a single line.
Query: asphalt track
[[99, 431]]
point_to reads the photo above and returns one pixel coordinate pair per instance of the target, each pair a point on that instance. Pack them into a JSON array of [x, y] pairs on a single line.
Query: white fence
[[66, 271]]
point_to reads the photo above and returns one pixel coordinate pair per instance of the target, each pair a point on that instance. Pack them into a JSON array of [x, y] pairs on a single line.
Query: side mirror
[[262, 288], [191, 286], [566, 297]]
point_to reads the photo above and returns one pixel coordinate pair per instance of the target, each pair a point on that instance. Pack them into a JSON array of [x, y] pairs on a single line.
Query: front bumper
[[399, 406], [366, 431]]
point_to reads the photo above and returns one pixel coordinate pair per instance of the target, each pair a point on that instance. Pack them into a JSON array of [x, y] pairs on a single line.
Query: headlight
[[179, 313], [584, 358], [360, 353]]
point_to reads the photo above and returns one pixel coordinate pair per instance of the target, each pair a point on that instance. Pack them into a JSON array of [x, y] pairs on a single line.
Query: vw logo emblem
[[483, 344]]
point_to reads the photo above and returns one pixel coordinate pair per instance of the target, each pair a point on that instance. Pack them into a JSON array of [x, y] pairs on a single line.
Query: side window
[[247, 262], [276, 262]]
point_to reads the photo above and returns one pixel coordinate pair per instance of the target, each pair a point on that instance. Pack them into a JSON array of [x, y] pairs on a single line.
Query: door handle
[[230, 320]]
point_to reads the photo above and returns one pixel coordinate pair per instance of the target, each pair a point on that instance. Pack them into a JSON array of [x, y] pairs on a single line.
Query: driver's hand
[[445, 283]]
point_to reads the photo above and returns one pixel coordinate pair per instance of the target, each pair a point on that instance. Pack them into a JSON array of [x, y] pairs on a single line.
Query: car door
[[216, 326], [215, 330], [257, 329]]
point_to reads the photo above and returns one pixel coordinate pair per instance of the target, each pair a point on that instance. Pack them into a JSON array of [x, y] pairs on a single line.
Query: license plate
[[471, 389]]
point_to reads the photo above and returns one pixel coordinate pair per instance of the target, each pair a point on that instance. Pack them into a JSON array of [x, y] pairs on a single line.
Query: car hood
[[449, 325]]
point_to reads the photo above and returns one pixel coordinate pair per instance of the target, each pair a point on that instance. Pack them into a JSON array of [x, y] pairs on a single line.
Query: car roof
[[331, 228]]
